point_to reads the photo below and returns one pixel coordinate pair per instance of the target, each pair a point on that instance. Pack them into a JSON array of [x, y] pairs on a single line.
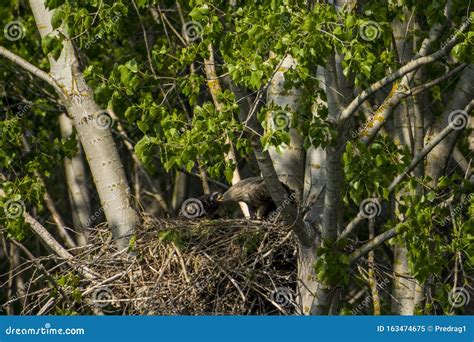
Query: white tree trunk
[[315, 168], [403, 284], [313, 201], [94, 135], [307, 280], [462, 96], [403, 302], [289, 162], [179, 190], [79, 198]]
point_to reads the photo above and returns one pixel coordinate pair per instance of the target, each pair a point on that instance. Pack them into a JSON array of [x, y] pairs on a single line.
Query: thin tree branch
[[435, 31], [31, 68], [40, 266], [371, 245], [426, 86], [150, 62], [407, 68], [215, 89], [54, 245], [417, 159], [58, 220], [386, 109], [463, 162]]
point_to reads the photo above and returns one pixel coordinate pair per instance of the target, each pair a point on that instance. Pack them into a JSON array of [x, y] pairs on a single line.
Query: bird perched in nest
[[254, 193], [205, 205]]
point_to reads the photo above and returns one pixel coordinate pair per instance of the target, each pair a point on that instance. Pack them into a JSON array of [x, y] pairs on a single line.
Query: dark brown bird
[[254, 193]]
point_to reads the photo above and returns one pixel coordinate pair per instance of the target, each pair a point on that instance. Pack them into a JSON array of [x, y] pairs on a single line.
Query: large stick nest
[[180, 267]]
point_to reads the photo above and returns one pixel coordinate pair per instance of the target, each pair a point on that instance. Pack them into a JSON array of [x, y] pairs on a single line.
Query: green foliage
[[27, 148], [431, 245], [370, 170], [161, 97], [250, 242], [172, 236], [332, 266], [68, 283]]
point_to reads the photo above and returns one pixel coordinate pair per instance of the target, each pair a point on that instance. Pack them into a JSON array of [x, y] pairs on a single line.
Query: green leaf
[[51, 4], [57, 18], [132, 65]]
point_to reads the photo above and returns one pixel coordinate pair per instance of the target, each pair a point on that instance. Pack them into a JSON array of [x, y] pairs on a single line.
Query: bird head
[[217, 197]]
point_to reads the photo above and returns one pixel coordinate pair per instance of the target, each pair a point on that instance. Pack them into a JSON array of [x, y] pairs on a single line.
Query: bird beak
[[217, 197]]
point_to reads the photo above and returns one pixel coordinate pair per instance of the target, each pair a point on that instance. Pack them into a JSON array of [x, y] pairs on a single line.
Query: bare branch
[[386, 109], [371, 245], [31, 68], [145, 38], [54, 245], [407, 68], [436, 81], [417, 159]]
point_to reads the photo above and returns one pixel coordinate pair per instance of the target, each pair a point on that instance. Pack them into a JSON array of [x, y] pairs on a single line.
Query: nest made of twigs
[[178, 267]]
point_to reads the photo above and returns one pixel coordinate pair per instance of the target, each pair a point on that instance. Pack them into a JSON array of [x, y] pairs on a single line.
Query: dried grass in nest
[[181, 267]]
